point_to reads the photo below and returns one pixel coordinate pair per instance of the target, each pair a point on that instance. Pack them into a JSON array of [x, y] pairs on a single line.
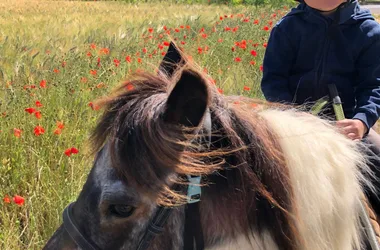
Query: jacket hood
[[351, 12]]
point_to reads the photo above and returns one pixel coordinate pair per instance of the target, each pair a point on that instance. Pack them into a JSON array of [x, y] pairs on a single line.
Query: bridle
[[193, 235]]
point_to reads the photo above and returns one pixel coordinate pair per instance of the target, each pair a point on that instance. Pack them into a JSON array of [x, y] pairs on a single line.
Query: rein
[[193, 234]]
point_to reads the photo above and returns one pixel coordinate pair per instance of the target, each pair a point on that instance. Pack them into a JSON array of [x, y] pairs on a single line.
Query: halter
[[193, 235]]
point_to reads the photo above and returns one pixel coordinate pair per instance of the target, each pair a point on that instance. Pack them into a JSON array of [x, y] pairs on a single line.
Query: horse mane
[[151, 154]]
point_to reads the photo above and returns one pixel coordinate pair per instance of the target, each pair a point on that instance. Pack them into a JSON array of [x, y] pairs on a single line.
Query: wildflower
[[93, 46], [56, 71], [93, 72], [63, 64], [60, 125], [256, 21], [252, 62], [19, 200], [30, 110], [43, 84], [116, 62], [129, 86], [89, 54], [144, 50], [57, 131], [128, 59], [39, 130], [17, 132], [93, 106], [139, 60], [261, 67], [220, 40], [71, 151], [266, 28], [220, 90], [83, 79], [237, 59], [166, 44], [246, 88], [6, 199], [38, 104], [38, 114], [104, 51], [177, 30], [253, 52], [150, 30], [265, 45]]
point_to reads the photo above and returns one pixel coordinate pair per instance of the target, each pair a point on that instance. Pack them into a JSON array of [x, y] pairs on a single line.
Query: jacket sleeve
[[368, 81], [279, 57]]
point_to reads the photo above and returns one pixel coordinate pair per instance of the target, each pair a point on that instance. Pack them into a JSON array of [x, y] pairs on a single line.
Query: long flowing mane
[[256, 173], [145, 149]]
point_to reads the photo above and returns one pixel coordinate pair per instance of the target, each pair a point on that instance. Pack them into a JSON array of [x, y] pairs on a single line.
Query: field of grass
[[57, 57]]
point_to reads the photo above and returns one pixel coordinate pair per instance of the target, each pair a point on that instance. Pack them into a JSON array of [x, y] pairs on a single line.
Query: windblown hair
[[250, 162]]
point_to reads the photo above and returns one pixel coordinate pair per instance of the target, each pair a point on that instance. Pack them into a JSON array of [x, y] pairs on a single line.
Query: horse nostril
[[121, 210]]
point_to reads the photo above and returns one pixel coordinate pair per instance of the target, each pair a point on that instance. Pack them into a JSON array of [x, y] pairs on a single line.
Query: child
[[325, 42]]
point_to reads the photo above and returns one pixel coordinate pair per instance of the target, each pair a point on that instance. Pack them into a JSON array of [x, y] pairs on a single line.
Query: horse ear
[[173, 60], [188, 101]]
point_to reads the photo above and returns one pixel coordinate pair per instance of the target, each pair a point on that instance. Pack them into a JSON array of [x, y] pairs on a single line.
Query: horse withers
[[269, 177]]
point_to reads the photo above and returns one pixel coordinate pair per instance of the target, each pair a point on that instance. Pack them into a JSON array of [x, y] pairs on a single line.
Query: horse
[[180, 166]]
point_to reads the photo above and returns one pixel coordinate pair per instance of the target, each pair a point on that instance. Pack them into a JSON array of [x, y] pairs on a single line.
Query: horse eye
[[121, 210]]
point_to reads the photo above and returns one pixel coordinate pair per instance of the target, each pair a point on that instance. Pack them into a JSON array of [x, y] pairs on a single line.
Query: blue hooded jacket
[[307, 51]]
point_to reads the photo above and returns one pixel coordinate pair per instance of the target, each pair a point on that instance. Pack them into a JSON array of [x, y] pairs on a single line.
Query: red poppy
[[71, 151], [38, 104], [220, 40], [261, 67], [252, 62], [144, 50], [220, 90], [43, 84], [237, 59], [93, 106], [39, 130], [265, 45], [19, 200], [246, 88], [116, 62], [38, 115], [150, 30], [253, 52], [56, 71], [166, 44], [128, 59], [93, 46], [256, 21], [83, 79], [60, 124], [17, 132], [93, 72], [63, 64], [30, 110], [57, 131], [104, 51], [89, 54], [139, 60], [6, 199]]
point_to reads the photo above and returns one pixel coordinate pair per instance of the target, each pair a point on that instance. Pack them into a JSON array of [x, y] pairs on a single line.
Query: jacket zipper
[[321, 65]]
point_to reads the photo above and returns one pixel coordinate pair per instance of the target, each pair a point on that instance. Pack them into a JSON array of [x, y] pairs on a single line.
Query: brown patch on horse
[[248, 184]]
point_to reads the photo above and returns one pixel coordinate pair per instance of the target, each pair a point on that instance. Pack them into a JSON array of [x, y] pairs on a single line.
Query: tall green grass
[[51, 42]]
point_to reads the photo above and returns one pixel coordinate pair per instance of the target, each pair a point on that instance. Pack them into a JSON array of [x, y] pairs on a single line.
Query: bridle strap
[[193, 233], [74, 232], [155, 227]]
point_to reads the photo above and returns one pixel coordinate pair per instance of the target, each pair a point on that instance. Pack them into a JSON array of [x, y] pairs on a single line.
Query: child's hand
[[352, 128]]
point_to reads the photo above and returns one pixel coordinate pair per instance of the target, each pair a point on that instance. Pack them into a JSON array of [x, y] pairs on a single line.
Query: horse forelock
[[148, 152]]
